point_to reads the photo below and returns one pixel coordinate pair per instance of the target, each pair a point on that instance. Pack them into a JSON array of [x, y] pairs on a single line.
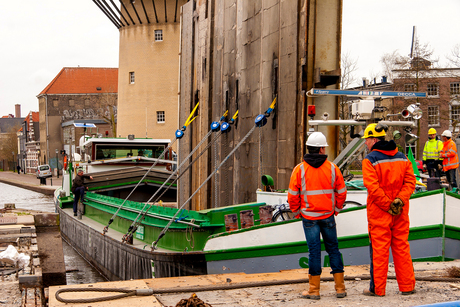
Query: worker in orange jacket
[[317, 193], [389, 178], [450, 162]]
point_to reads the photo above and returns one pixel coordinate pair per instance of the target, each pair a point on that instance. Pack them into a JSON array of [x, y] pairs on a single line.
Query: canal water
[[79, 271]]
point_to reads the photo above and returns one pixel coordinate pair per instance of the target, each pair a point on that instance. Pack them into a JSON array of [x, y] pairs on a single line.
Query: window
[[433, 116], [158, 35], [454, 113], [71, 103], [432, 90], [55, 103], [131, 77], [87, 102], [455, 88], [160, 117], [409, 87]]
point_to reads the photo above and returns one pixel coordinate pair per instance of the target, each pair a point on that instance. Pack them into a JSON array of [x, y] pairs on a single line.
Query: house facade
[[29, 143], [76, 94]]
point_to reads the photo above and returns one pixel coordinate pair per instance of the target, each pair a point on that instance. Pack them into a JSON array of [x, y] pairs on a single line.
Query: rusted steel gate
[[239, 55]]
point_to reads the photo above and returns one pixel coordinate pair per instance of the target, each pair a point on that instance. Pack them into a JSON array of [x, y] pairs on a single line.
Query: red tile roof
[[35, 119], [83, 80]]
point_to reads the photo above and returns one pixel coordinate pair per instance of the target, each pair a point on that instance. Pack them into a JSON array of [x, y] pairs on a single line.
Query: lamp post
[[13, 161], [57, 162]]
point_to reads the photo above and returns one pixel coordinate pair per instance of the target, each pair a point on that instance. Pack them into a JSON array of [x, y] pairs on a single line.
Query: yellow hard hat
[[432, 131], [375, 131]]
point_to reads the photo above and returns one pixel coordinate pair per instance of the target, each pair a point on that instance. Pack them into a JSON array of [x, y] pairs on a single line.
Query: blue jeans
[[80, 191], [327, 229]]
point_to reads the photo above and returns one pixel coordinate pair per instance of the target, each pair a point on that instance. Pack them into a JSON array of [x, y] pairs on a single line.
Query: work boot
[[313, 292], [408, 292], [339, 285], [370, 293]]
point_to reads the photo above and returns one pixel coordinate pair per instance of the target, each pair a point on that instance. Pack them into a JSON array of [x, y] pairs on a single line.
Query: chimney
[[384, 79], [17, 110], [364, 82]]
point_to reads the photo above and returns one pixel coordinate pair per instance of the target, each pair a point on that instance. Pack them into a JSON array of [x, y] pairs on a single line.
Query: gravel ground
[[289, 295]]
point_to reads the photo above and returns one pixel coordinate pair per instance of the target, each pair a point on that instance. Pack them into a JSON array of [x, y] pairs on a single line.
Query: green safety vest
[[432, 149]]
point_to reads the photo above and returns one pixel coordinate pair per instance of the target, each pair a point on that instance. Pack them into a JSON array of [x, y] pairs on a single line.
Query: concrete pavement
[[30, 182]]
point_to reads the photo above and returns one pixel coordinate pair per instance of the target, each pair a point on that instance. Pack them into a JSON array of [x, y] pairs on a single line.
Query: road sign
[[350, 93], [84, 125]]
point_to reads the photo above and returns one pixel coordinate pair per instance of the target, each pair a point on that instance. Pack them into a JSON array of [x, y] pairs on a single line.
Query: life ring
[[65, 162]]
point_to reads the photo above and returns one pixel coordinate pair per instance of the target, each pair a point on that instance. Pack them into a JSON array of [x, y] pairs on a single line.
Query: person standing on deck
[[450, 162], [431, 159], [78, 189], [317, 193], [389, 178]]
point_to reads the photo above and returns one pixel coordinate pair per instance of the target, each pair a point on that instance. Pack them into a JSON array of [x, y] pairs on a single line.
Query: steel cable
[[162, 233], [227, 286], [143, 212]]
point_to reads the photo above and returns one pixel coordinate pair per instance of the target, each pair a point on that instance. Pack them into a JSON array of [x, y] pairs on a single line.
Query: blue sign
[[84, 125], [367, 93]]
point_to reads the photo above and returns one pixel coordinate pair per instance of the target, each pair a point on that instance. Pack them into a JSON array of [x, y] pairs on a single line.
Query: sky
[[372, 28], [40, 37]]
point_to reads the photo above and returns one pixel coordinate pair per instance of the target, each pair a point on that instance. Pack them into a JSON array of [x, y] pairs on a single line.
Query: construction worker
[[431, 160], [390, 181], [450, 162], [317, 193]]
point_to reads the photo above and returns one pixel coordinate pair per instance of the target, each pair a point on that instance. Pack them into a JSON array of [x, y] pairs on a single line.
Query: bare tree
[[388, 62], [411, 73], [454, 56], [9, 144]]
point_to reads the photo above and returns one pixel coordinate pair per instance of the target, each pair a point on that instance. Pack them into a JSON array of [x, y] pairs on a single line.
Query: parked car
[[43, 171]]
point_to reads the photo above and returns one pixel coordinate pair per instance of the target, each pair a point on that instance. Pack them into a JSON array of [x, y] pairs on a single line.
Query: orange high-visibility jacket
[[449, 153], [316, 193]]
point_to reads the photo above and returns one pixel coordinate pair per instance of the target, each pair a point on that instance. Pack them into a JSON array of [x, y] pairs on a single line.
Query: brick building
[[76, 94], [441, 108]]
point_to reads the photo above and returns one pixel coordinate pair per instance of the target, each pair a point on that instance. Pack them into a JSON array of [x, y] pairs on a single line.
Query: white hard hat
[[447, 133], [317, 139]]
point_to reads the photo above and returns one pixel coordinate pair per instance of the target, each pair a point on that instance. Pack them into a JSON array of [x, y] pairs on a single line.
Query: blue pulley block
[[215, 126], [225, 127], [179, 133], [261, 120]]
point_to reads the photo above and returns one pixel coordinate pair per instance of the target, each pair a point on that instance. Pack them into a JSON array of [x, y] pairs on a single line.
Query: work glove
[[440, 167], [396, 207], [424, 166]]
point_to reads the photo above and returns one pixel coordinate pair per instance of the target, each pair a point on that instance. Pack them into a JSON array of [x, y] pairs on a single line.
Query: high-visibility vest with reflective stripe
[[432, 149], [449, 153], [316, 193]]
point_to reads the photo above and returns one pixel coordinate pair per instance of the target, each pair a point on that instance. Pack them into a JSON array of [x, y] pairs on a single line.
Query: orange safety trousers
[[390, 231]]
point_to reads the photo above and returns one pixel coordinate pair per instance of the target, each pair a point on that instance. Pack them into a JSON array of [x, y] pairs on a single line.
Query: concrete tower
[[148, 65]]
